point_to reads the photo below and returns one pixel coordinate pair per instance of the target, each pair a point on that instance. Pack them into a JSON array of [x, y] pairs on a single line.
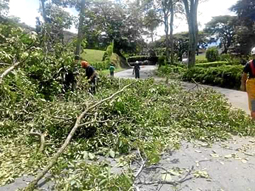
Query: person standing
[[112, 69], [91, 76], [248, 82], [136, 70]]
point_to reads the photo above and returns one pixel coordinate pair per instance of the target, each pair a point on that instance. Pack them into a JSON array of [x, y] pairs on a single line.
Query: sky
[[27, 10]]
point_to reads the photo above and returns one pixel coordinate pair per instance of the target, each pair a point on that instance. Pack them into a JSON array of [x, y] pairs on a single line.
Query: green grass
[[93, 55], [201, 57], [106, 72]]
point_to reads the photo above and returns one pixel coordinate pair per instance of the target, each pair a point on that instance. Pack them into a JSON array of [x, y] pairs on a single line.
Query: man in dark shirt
[[91, 76], [136, 70], [248, 82]]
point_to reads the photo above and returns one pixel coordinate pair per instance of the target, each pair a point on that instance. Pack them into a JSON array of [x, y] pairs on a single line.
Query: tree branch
[[42, 139], [6, 72], [175, 183], [54, 159], [15, 65]]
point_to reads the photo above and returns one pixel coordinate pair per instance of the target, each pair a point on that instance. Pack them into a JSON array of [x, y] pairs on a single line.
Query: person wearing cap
[[248, 82], [136, 70], [91, 75]]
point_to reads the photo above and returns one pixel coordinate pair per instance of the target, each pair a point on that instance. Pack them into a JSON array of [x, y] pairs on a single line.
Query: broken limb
[[6, 72], [174, 183], [54, 159], [42, 139]]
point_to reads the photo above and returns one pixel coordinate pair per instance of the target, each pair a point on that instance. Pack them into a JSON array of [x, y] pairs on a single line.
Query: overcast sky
[[27, 10]]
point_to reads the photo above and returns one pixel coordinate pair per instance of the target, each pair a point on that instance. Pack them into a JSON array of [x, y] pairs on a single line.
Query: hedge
[[228, 76], [213, 64]]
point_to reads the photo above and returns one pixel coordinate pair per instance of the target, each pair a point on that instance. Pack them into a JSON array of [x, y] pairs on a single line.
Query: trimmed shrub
[[225, 57], [212, 54], [228, 76], [213, 64]]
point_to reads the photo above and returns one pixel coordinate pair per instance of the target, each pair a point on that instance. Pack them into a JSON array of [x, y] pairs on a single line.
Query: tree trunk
[[191, 14], [171, 31], [80, 32], [167, 35], [43, 11]]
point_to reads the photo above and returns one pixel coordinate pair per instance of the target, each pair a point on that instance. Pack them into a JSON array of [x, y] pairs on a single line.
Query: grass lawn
[[201, 57], [93, 55], [106, 72]]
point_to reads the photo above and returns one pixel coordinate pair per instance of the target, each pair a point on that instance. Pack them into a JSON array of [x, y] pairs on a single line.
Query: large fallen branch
[[54, 159], [6, 72]]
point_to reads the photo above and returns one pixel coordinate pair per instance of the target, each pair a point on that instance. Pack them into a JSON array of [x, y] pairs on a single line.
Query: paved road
[[223, 166], [145, 72], [237, 99]]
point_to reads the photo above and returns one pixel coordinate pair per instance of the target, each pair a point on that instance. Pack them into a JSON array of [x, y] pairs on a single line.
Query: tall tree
[[169, 9], [191, 7], [166, 6], [151, 22], [55, 21], [109, 22], [223, 28], [245, 30]]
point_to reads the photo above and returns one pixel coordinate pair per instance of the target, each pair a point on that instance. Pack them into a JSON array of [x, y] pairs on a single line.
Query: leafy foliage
[[212, 54], [224, 29], [228, 76]]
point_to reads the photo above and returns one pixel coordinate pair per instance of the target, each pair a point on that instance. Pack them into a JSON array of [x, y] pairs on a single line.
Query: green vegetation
[[146, 116], [106, 72], [101, 60], [93, 56], [213, 64], [220, 73], [201, 57], [228, 76], [212, 54]]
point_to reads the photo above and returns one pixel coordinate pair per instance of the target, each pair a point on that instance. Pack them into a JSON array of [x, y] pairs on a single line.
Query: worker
[[248, 82], [91, 76], [136, 70], [112, 69]]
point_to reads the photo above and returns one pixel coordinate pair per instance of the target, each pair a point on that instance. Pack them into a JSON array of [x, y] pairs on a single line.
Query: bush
[[224, 76], [175, 72], [232, 59], [225, 57], [212, 54], [101, 65], [213, 64]]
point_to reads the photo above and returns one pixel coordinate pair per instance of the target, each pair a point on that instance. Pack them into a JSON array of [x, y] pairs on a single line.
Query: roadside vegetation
[[71, 136]]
